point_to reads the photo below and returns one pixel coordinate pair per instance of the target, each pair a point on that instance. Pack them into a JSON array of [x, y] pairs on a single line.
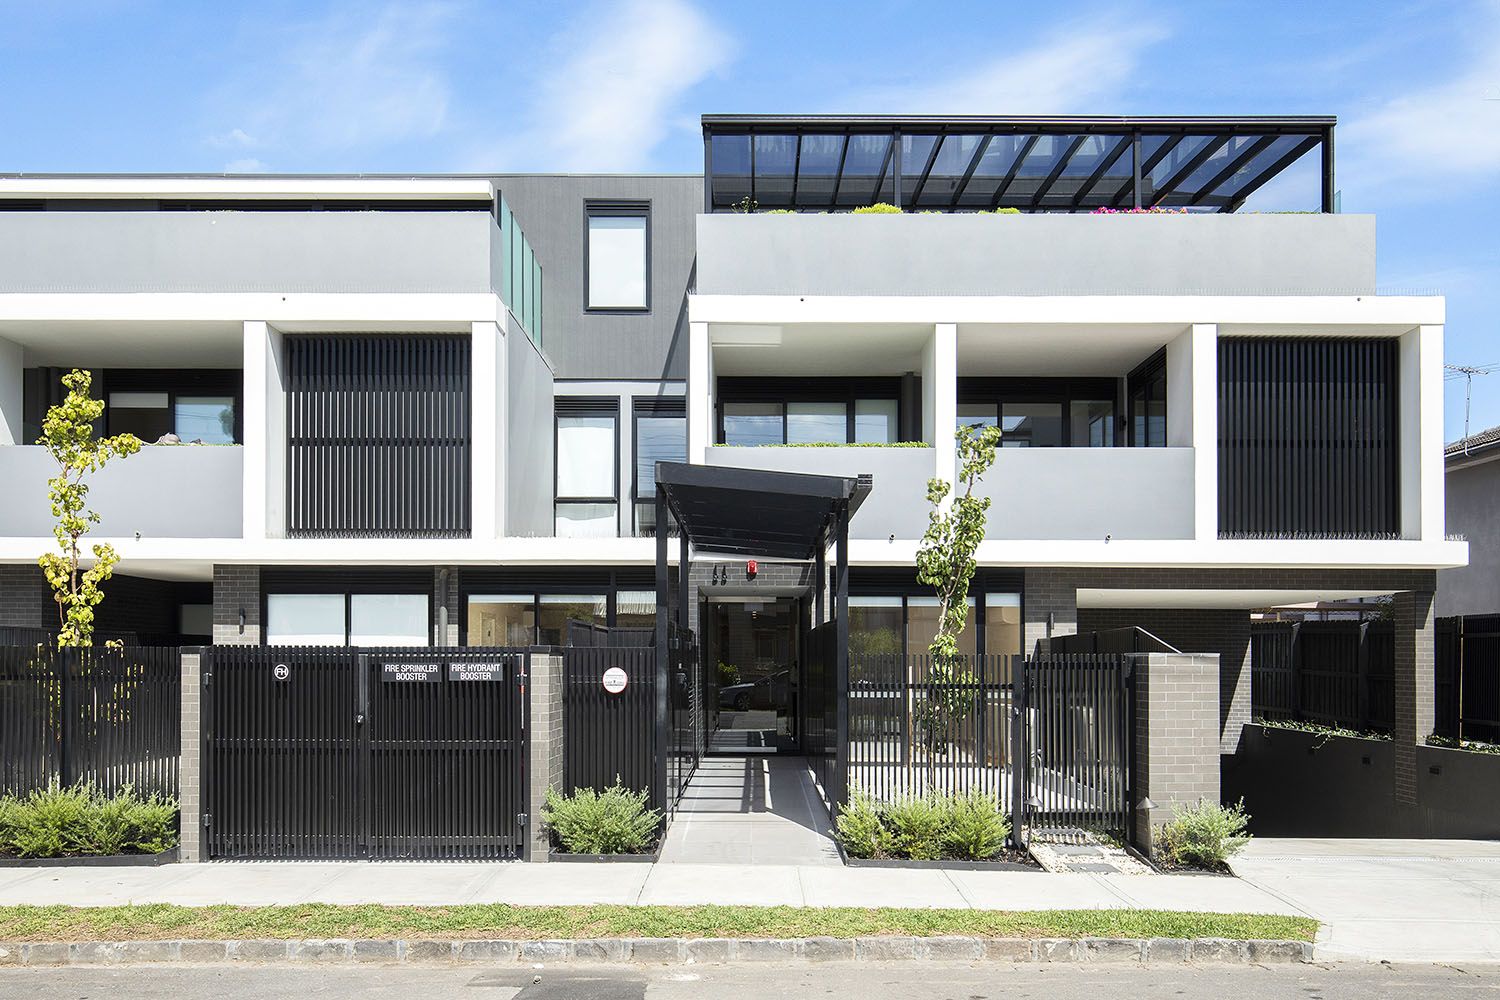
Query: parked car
[[770, 691]]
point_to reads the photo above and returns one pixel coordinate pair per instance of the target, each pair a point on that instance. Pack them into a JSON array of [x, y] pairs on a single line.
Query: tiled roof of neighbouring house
[[1483, 441]]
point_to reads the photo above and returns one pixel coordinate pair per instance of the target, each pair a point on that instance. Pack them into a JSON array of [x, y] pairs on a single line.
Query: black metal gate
[[1073, 733], [364, 753]]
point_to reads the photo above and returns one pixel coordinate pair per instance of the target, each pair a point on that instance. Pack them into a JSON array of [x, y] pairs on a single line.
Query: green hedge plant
[[78, 820], [1205, 835], [614, 821], [879, 208], [959, 826]]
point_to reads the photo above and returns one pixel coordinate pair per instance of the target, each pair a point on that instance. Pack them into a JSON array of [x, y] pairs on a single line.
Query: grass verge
[[159, 921]]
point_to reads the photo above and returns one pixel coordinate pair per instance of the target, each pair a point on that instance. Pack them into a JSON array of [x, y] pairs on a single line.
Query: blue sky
[[439, 85]]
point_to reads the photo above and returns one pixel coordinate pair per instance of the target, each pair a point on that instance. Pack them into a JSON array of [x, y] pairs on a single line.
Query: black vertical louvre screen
[[111, 717], [1468, 678], [378, 436], [1308, 438], [819, 710], [1075, 729], [610, 736], [364, 753], [687, 708]]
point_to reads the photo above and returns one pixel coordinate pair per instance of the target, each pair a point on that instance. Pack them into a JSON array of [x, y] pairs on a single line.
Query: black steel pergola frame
[[840, 495], [1316, 130]]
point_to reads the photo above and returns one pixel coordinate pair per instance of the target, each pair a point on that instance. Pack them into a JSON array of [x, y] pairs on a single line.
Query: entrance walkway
[[757, 809]]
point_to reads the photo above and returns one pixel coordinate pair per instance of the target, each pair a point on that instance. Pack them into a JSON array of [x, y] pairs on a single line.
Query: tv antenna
[[1467, 373]]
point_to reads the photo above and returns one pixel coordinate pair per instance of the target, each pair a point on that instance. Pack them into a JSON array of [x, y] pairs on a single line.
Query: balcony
[[1061, 255], [897, 504], [1090, 493], [163, 491], [250, 251]]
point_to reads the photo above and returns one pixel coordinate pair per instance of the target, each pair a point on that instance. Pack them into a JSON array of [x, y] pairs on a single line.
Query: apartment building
[[431, 408]]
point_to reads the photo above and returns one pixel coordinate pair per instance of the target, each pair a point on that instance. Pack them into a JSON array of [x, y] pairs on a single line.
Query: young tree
[[945, 562], [68, 436]]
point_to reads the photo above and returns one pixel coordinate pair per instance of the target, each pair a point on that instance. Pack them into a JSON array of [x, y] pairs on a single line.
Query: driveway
[[1399, 900]]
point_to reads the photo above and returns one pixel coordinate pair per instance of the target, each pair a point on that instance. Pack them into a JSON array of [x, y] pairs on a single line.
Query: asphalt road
[[868, 981]]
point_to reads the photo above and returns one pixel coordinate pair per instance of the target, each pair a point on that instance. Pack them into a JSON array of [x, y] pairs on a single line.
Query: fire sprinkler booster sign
[[615, 680]]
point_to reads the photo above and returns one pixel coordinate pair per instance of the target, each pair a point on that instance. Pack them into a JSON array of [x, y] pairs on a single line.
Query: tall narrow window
[[660, 436], [618, 257], [587, 469], [1148, 403]]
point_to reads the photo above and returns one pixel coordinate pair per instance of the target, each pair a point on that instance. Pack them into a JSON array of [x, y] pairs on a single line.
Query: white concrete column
[[1421, 436], [700, 394], [487, 436], [12, 392], [265, 431], [1193, 417], [940, 397]]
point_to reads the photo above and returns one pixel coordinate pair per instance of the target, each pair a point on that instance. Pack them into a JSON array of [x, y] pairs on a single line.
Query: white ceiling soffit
[[1247, 600], [1077, 349]]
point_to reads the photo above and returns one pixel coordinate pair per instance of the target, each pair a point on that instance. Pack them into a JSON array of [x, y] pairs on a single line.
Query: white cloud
[[1447, 131], [1070, 71], [359, 77], [613, 90]]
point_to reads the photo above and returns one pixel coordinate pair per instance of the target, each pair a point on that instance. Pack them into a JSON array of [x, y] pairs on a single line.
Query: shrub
[[965, 826], [729, 674], [58, 821], [977, 828], [879, 208], [1205, 835], [860, 828], [614, 821]]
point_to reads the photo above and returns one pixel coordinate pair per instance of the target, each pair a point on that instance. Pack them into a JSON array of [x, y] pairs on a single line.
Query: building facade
[[427, 410]]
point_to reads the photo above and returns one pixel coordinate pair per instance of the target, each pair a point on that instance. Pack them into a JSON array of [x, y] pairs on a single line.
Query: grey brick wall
[[25, 598], [768, 576], [189, 767], [1196, 630], [1177, 737], [236, 588], [1414, 687], [544, 687]]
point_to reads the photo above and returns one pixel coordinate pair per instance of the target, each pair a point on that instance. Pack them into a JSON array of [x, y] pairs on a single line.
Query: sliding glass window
[[348, 619], [763, 411], [1042, 412], [660, 436]]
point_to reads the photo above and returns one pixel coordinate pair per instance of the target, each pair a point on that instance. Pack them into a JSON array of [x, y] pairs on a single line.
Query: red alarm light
[[750, 568]]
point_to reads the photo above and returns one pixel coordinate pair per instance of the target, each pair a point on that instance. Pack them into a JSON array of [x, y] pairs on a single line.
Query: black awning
[[755, 512], [982, 163]]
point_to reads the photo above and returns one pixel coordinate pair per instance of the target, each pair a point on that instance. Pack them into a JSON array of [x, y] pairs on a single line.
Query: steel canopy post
[[663, 654], [840, 791]]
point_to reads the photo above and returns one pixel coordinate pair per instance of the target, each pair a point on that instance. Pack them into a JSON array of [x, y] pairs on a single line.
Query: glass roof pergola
[[1034, 164]]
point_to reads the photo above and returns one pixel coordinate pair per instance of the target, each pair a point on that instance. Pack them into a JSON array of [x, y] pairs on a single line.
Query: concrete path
[[753, 809], [1396, 900], [438, 883]]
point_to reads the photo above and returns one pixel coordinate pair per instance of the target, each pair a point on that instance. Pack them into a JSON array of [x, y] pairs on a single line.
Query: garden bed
[[648, 858], [167, 857], [1009, 860]]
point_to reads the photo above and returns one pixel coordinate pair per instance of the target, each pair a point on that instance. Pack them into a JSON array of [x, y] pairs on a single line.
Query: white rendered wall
[[940, 397], [487, 452], [1193, 417], [700, 393], [1421, 428], [265, 431], [12, 364]]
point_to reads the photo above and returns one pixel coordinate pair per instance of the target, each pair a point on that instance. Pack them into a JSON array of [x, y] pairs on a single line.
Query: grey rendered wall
[[245, 251], [1474, 512], [1036, 254], [181, 491], [529, 437], [1090, 493], [897, 504], [650, 345]]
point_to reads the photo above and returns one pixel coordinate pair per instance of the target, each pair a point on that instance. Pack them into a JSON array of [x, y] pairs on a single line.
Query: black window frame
[[781, 391], [997, 391], [599, 208], [331, 581], [174, 382], [655, 408], [537, 584], [1152, 371], [585, 406], [879, 583]]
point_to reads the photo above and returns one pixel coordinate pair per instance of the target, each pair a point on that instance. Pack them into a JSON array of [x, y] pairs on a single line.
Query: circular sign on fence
[[615, 680], [281, 671]]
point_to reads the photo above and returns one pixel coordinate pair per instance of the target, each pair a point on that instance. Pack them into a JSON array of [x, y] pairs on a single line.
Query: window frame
[[1145, 375], [779, 392], [673, 407], [585, 406], [631, 209], [996, 392], [174, 382], [979, 593], [348, 591]]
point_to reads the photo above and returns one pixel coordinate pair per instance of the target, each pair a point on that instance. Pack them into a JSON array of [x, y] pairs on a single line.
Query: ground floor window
[[347, 619], [901, 624]]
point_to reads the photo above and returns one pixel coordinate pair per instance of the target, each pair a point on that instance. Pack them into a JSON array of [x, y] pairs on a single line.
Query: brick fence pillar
[[189, 765], [1176, 737], [1415, 663], [545, 745]]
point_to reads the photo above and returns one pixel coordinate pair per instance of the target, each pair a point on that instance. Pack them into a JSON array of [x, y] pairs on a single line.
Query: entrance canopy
[[754, 512]]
